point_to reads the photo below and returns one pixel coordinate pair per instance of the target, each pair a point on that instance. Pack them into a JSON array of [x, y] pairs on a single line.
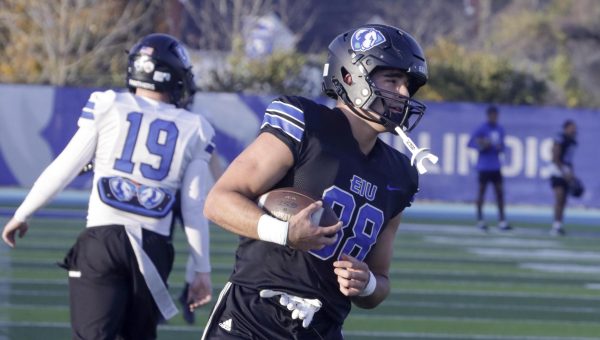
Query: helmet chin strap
[[384, 120], [358, 112]]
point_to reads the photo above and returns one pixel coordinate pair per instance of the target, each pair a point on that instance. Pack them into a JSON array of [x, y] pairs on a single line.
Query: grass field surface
[[449, 281]]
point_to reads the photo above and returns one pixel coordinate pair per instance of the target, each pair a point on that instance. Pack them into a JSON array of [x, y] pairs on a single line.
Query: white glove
[[303, 309]]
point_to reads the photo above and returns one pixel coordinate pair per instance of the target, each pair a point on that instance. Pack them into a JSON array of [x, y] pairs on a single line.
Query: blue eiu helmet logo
[[365, 39]]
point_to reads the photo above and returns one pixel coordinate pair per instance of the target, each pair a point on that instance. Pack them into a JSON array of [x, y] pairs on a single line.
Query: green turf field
[[449, 282]]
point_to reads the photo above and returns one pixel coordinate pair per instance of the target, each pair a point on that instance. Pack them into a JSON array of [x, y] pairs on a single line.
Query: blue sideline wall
[[38, 121]]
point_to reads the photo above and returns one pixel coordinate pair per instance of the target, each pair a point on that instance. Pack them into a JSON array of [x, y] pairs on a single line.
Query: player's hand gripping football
[[11, 228], [352, 275], [200, 291], [304, 234]]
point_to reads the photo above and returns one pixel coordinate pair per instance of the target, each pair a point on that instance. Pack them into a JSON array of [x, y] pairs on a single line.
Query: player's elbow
[[211, 206]]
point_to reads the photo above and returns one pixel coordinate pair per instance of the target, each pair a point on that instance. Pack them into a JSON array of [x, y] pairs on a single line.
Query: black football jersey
[[567, 148], [365, 191]]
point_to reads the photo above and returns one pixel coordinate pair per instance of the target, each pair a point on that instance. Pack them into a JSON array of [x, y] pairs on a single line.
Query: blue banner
[[446, 129], [38, 121]]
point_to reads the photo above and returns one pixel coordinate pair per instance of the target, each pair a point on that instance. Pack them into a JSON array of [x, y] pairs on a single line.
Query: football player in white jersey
[[145, 147]]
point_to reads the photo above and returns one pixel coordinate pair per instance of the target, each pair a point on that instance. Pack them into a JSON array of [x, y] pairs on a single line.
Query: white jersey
[[147, 142], [144, 151]]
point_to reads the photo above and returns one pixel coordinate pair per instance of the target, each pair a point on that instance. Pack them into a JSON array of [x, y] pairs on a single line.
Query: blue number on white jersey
[[124, 162], [162, 139]]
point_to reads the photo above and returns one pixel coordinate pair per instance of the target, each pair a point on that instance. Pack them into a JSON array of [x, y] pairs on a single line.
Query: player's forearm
[[482, 144], [42, 192], [382, 290], [194, 189], [58, 174], [198, 240], [233, 211]]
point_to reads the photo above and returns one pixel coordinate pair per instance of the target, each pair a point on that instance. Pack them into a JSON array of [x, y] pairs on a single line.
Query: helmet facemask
[[398, 110]]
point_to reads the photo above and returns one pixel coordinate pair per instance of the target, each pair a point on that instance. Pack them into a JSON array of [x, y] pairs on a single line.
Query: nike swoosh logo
[[391, 188]]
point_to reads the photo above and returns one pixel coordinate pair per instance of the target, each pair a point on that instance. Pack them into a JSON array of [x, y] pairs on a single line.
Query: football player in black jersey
[[296, 280], [562, 177]]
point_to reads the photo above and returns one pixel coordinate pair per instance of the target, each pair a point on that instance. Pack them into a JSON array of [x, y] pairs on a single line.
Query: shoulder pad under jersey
[[98, 103]]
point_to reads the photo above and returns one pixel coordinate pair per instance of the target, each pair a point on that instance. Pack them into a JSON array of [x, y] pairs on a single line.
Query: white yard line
[[495, 306], [541, 254], [433, 336], [493, 241], [507, 294], [561, 268]]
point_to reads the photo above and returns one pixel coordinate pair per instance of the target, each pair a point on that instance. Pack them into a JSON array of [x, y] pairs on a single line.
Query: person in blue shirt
[[488, 140]]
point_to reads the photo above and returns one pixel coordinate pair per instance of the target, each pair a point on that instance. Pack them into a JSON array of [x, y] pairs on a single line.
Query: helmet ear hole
[[347, 77]]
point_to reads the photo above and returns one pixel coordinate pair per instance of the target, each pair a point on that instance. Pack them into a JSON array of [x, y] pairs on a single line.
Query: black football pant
[[109, 298], [240, 313]]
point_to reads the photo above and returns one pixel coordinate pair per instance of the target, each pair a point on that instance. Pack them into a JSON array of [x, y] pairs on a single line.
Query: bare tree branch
[[62, 41]]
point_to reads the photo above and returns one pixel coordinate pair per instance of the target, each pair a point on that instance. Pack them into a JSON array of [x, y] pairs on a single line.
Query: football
[[282, 203]]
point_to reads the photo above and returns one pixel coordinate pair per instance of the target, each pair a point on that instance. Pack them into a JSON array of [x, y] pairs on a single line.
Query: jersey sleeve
[[284, 118], [195, 185], [559, 138], [502, 145], [97, 104], [475, 135], [71, 160], [205, 142], [59, 173]]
